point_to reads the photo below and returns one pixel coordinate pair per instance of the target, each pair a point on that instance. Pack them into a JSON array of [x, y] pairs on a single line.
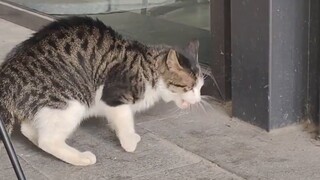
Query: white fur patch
[[151, 96], [63, 121], [54, 126]]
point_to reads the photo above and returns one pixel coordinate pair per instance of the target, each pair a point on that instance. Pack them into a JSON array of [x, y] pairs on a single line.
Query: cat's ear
[[193, 48], [172, 60]]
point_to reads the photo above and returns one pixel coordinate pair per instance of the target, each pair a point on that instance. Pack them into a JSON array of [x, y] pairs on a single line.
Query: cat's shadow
[[97, 128]]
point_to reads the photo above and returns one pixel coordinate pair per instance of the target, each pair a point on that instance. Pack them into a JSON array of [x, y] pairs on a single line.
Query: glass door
[[172, 22]]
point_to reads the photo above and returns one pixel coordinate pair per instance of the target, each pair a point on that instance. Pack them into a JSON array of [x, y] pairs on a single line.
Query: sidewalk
[[175, 145]]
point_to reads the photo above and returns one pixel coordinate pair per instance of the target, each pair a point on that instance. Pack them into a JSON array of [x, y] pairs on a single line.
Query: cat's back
[[68, 39], [69, 45], [55, 64]]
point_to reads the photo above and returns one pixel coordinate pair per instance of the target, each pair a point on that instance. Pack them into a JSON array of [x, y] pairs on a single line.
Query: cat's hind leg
[[55, 126], [29, 131]]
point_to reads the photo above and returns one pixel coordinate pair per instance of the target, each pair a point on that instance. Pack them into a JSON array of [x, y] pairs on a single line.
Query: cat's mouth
[[185, 104]]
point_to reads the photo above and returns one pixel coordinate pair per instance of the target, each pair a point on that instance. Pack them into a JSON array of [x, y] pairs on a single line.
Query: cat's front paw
[[86, 158], [129, 141]]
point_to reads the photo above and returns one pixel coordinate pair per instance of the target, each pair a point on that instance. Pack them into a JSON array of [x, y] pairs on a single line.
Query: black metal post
[[270, 57], [314, 64], [11, 152], [220, 17]]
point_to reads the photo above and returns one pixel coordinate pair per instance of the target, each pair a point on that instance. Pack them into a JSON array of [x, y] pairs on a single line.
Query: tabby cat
[[78, 67]]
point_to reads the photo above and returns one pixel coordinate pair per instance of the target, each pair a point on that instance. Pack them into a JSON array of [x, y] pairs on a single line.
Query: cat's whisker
[[178, 111], [200, 107], [174, 111], [203, 108], [205, 76], [207, 97], [192, 108], [207, 104], [210, 98]]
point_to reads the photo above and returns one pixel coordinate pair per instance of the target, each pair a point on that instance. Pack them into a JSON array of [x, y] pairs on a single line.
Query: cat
[[78, 67]]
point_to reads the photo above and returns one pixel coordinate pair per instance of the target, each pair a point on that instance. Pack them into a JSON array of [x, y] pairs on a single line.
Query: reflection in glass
[[172, 22]]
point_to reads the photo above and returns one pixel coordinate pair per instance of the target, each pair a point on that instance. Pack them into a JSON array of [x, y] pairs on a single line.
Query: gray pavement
[[193, 144]]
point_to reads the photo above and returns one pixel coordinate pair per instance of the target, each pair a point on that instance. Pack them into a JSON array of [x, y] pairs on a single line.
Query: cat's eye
[[177, 85]]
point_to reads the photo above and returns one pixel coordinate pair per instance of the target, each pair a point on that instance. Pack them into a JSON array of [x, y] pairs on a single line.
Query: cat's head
[[182, 77]]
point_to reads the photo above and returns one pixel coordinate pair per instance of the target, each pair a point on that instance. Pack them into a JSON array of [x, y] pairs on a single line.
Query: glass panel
[[173, 22]]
